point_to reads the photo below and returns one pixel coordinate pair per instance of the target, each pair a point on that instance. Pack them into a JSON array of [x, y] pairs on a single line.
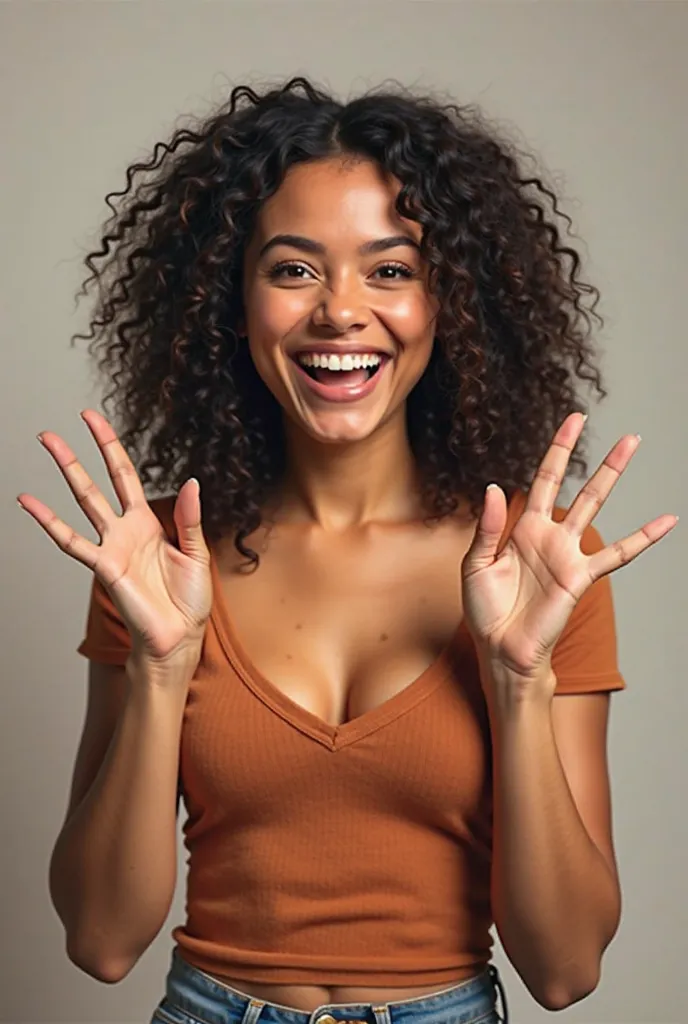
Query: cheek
[[272, 313], [270, 318], [411, 320]]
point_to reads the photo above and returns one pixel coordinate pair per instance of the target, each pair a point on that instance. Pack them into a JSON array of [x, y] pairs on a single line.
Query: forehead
[[333, 200]]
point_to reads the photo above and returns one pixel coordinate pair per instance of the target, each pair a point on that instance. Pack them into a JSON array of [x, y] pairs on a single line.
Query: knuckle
[[87, 491], [550, 474], [69, 544], [593, 495], [620, 550]]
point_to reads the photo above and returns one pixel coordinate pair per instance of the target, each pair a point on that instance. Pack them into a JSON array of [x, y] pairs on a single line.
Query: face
[[339, 318]]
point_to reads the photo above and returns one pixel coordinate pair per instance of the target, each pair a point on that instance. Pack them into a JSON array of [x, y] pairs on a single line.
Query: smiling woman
[[343, 320], [338, 300]]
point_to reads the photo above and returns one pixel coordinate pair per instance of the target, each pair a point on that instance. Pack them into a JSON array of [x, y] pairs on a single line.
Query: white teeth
[[333, 362]]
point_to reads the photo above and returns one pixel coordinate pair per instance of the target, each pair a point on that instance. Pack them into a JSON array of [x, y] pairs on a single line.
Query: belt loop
[[382, 1014], [497, 982], [253, 1011]]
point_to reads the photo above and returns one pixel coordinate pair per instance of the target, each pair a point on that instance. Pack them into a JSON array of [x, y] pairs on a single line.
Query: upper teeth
[[347, 362]]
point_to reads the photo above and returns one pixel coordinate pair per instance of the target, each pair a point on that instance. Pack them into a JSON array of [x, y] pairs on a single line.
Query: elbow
[[561, 995], [101, 968]]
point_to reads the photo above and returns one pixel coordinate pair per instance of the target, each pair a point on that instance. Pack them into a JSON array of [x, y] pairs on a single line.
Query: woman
[[381, 688]]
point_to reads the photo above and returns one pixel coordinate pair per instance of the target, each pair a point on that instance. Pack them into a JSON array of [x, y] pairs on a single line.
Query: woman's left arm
[[555, 890]]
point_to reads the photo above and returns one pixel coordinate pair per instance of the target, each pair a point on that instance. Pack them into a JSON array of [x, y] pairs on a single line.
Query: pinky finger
[[614, 556], [65, 537]]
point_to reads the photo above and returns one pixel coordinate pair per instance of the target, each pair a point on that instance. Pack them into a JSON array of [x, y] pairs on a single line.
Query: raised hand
[[162, 592], [517, 604]]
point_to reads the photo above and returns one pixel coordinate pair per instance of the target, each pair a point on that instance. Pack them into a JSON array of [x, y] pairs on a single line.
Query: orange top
[[356, 854]]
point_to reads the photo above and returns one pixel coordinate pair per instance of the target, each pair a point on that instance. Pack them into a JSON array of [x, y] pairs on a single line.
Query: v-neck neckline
[[332, 736]]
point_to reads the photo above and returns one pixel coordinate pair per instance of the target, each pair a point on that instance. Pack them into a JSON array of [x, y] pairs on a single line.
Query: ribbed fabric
[[349, 855]]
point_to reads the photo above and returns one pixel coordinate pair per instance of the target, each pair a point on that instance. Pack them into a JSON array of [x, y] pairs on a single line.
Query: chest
[[342, 625]]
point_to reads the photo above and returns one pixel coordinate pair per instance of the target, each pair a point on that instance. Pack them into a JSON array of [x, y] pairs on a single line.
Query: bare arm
[[555, 888], [113, 868], [114, 865]]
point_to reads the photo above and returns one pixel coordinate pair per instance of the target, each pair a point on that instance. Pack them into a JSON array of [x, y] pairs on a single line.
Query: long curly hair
[[512, 336]]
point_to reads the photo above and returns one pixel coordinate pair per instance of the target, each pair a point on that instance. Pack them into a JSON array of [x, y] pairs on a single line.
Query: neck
[[338, 486]]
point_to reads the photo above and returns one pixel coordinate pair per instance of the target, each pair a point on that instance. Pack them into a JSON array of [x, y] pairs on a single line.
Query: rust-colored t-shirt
[[357, 854]]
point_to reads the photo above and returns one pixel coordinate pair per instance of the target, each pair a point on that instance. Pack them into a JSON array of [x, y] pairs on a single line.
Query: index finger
[[123, 475]]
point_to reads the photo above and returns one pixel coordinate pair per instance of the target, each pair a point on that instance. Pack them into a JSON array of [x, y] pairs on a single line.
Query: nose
[[340, 309]]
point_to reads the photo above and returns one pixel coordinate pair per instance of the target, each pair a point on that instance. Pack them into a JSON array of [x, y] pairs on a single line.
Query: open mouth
[[351, 377], [341, 371]]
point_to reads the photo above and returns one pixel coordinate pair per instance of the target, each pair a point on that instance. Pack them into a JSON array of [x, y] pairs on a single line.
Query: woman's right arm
[[114, 866]]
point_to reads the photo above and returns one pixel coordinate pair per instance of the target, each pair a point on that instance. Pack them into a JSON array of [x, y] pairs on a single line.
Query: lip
[[342, 393]]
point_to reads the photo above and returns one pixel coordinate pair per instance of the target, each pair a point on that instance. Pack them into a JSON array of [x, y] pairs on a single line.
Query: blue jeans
[[193, 997]]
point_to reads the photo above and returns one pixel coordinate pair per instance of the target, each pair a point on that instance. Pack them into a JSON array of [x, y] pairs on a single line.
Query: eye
[[399, 268], [279, 270]]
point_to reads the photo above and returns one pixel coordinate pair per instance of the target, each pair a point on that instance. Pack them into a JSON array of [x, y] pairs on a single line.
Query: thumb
[[483, 549], [187, 519]]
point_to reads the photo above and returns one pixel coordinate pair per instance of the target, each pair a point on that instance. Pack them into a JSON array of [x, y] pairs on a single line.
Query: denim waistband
[[194, 997]]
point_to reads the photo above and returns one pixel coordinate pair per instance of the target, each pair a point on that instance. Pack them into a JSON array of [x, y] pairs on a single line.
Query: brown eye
[[279, 270], [398, 268]]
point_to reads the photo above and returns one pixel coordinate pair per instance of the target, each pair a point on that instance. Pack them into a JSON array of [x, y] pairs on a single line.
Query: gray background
[[599, 91]]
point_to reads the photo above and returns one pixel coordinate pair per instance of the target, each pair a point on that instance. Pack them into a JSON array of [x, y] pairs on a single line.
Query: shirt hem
[[590, 684], [335, 974], [107, 655]]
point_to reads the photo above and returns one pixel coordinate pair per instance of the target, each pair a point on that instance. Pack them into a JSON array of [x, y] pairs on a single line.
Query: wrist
[[512, 694], [173, 675]]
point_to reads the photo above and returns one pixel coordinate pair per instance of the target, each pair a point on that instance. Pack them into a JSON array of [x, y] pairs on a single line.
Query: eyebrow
[[318, 249]]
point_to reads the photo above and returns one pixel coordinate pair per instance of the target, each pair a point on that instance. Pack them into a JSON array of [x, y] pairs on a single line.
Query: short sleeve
[[107, 638], [585, 658]]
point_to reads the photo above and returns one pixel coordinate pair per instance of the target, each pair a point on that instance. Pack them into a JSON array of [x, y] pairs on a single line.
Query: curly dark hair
[[512, 334]]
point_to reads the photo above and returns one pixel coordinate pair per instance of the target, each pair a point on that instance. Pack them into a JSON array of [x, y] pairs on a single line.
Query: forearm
[[555, 901], [113, 869]]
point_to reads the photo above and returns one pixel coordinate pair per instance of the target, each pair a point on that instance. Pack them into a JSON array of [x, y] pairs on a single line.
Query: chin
[[338, 428]]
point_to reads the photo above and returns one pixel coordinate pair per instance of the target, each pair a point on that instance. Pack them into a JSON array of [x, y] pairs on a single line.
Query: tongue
[[347, 378]]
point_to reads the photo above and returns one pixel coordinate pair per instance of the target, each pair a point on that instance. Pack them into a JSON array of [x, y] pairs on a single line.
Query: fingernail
[[40, 436], [638, 437]]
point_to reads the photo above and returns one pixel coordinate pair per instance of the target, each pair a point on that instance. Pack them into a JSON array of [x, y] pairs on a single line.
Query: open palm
[[517, 603], [162, 592]]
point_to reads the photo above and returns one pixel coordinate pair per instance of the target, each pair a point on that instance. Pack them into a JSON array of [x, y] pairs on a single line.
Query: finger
[[552, 470], [489, 530], [187, 518], [123, 475], [592, 496], [90, 498], [624, 551], [65, 537]]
